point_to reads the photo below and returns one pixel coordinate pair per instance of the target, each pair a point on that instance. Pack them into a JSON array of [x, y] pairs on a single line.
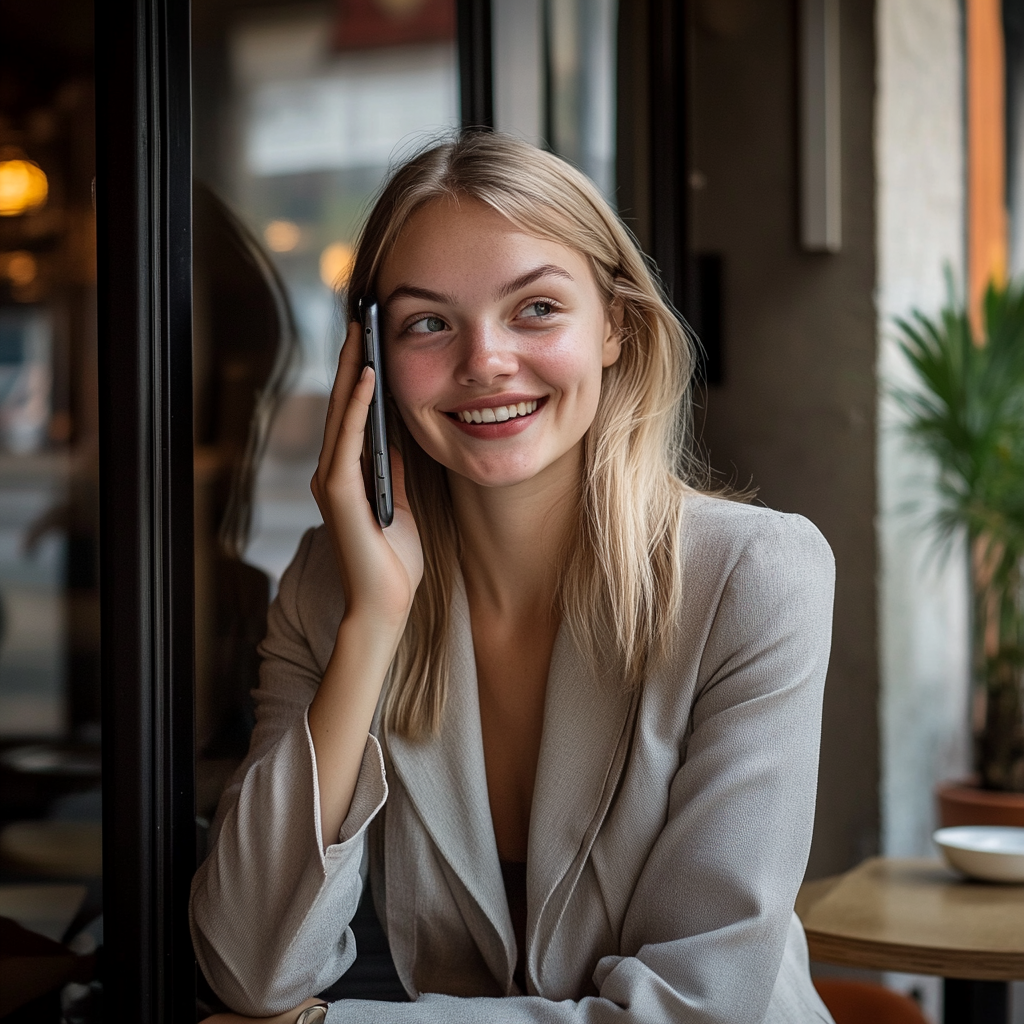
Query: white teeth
[[499, 414]]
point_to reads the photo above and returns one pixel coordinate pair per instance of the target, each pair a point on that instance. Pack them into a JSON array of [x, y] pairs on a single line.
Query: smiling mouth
[[497, 414]]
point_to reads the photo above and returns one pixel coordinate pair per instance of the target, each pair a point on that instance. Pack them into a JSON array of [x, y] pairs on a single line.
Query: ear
[[611, 347]]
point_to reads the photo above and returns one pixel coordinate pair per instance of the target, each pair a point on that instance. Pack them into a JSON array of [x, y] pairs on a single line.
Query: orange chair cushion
[[859, 1002]]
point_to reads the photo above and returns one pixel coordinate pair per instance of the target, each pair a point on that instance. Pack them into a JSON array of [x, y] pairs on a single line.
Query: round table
[[919, 917]]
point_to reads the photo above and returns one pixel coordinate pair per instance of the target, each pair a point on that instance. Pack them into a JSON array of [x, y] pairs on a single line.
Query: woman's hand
[[380, 569], [288, 1017]]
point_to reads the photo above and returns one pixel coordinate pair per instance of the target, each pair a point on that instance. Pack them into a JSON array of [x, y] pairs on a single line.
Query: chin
[[506, 472], [495, 478]]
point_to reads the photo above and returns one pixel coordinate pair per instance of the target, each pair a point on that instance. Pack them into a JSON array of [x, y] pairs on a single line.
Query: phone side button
[[380, 465]]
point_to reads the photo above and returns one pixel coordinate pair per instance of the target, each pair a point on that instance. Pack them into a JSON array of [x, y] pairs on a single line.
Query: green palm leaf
[[967, 412]]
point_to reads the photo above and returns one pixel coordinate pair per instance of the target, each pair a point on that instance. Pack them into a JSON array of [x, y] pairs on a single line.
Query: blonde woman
[[566, 708]]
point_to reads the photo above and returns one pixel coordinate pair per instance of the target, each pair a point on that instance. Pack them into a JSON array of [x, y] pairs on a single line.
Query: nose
[[487, 355]]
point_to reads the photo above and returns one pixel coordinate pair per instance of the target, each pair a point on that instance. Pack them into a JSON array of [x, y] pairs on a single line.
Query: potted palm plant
[[967, 412]]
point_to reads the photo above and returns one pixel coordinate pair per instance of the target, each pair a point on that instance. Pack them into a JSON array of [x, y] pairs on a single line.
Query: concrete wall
[[923, 600], [796, 412]]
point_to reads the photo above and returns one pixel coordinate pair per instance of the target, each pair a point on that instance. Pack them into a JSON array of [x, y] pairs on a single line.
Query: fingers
[[348, 446], [349, 363], [339, 465]]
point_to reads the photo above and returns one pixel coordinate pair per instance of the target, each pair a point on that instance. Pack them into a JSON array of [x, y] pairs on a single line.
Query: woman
[[567, 705]]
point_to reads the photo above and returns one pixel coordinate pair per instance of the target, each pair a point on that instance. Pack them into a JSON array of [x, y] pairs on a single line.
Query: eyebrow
[[548, 270], [412, 291]]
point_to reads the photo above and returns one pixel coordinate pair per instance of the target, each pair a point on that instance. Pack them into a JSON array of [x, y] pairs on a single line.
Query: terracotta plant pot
[[961, 803]]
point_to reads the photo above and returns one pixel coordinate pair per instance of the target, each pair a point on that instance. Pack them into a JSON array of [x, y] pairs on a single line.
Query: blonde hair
[[620, 583]]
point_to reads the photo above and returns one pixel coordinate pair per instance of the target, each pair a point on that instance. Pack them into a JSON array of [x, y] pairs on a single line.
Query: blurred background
[[804, 172]]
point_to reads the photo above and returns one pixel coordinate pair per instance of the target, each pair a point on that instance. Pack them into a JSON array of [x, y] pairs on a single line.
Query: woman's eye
[[428, 325], [537, 309]]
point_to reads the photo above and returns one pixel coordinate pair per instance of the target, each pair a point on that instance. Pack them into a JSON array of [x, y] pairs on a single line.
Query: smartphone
[[377, 454]]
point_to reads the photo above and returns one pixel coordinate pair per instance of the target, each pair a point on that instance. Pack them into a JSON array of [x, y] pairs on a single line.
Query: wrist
[[375, 631]]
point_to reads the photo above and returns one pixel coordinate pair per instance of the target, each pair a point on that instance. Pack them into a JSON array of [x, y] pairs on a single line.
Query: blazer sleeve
[[706, 930], [269, 909]]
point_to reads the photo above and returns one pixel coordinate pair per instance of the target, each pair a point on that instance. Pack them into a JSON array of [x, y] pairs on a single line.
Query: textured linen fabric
[[669, 830]]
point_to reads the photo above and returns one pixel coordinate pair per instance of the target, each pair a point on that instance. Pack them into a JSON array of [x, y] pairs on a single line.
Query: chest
[[512, 664]]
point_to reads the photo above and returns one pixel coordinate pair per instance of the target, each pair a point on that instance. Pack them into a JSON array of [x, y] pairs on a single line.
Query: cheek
[[413, 381], [574, 368]]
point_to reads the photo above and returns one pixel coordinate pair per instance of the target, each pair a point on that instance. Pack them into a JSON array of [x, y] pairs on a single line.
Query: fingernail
[[362, 376]]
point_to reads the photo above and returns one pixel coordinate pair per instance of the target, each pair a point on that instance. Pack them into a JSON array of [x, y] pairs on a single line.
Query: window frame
[[144, 265]]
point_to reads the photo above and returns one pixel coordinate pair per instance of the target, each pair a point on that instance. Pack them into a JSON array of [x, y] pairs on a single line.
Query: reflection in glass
[[244, 348], [50, 801], [299, 110]]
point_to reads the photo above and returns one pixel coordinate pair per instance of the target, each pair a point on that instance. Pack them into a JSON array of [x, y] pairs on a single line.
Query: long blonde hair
[[620, 582]]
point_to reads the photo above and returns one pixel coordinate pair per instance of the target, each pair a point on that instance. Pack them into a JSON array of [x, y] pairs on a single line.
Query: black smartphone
[[377, 454]]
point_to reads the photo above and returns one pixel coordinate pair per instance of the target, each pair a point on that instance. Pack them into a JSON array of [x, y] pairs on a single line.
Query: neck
[[513, 537]]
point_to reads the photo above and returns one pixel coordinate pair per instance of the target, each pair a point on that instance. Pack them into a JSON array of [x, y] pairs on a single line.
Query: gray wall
[[796, 412], [923, 611]]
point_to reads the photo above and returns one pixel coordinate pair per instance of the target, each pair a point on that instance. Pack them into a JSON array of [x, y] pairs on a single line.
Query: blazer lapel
[[588, 716], [446, 780]]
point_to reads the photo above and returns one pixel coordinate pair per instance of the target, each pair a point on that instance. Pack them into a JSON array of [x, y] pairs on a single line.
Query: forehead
[[449, 239]]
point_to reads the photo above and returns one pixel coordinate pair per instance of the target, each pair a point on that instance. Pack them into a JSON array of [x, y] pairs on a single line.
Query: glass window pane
[[554, 67], [50, 807], [581, 75]]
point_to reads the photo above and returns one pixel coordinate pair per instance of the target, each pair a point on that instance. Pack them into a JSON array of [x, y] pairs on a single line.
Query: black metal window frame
[[476, 80], [669, 148], [143, 201]]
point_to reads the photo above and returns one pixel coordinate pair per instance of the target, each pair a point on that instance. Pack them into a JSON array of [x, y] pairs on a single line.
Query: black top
[[513, 874]]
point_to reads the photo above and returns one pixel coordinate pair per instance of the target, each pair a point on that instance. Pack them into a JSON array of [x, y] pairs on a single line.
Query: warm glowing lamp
[[23, 186], [336, 265], [282, 235], [21, 268]]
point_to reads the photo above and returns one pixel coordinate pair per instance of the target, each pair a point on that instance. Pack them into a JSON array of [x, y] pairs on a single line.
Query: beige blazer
[[668, 837]]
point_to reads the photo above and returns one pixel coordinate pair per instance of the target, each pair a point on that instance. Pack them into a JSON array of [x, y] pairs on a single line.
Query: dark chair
[[859, 1002]]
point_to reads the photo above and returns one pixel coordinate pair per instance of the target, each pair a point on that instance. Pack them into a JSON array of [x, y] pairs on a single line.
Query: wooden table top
[[915, 916]]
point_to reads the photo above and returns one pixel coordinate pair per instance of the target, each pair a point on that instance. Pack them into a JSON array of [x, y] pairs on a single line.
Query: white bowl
[[994, 853]]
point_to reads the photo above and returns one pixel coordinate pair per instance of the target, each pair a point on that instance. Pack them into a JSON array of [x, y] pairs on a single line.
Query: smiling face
[[495, 342]]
